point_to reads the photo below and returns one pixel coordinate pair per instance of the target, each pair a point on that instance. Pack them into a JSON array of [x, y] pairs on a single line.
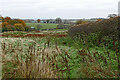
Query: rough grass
[[23, 58], [56, 58]]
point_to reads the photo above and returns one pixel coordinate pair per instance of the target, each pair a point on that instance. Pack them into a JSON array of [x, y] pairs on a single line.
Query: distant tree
[[7, 27], [48, 21], [4, 26], [13, 28], [2, 19], [6, 19], [58, 20], [99, 20], [4, 29], [19, 27], [21, 22], [10, 28], [9, 24], [81, 22], [12, 22], [38, 20]]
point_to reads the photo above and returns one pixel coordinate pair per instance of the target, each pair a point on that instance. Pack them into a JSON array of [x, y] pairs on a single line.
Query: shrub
[[9, 24], [21, 22], [81, 22], [27, 28], [19, 27], [6, 19], [104, 28]]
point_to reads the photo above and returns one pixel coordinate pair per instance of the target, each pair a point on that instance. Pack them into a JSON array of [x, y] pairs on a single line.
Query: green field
[[44, 25], [57, 53], [57, 57]]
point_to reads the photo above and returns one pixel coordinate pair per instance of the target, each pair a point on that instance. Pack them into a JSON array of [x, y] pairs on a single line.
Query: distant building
[[52, 21], [30, 21], [33, 21], [32, 28]]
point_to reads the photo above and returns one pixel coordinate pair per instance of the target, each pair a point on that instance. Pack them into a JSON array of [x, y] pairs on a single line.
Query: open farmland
[[89, 50], [55, 55], [44, 25], [59, 39]]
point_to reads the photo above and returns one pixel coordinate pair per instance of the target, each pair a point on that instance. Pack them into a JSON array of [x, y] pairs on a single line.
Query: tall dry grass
[[35, 61], [30, 62]]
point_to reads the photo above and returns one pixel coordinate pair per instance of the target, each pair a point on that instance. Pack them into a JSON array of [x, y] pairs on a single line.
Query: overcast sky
[[65, 9]]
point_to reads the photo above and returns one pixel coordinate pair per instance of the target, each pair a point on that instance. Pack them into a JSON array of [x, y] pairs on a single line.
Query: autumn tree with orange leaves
[[9, 24], [7, 19], [38, 20]]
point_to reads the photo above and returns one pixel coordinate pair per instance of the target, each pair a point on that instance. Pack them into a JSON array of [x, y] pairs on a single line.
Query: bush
[[104, 28], [81, 22], [9, 24], [27, 28], [19, 27]]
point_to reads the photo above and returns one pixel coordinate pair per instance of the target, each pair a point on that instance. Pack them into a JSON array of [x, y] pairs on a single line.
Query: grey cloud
[[55, 8]]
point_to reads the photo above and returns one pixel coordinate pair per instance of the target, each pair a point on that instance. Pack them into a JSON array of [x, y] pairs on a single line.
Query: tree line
[[9, 24]]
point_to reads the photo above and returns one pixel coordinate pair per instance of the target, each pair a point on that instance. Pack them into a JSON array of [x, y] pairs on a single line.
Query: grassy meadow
[[54, 55], [44, 25], [61, 54]]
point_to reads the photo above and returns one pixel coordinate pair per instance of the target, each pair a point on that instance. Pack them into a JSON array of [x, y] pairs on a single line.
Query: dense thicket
[[103, 28]]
